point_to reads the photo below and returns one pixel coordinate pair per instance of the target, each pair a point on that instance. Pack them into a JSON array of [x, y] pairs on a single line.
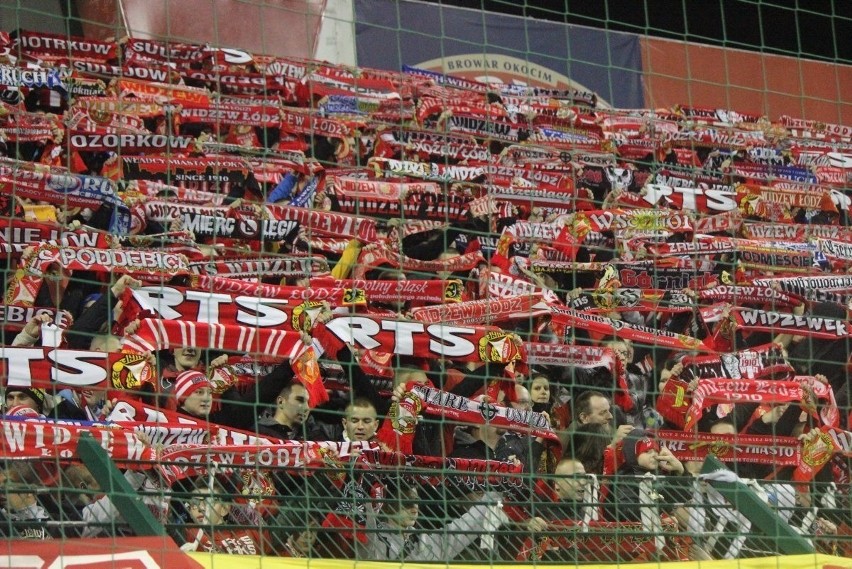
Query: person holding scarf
[[637, 454], [194, 394]]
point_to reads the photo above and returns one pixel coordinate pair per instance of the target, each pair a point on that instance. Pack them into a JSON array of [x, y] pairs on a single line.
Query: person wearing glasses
[[214, 526]]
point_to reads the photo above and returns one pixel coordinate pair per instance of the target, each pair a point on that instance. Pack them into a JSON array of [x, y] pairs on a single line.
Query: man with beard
[[593, 407]]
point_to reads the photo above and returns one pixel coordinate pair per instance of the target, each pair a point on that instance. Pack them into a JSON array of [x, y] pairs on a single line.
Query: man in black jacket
[[291, 414]]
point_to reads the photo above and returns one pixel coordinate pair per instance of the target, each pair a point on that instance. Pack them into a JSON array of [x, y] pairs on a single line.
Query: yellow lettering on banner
[[817, 561]]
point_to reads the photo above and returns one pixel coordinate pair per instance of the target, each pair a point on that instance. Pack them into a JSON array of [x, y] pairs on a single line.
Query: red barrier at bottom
[[126, 552]]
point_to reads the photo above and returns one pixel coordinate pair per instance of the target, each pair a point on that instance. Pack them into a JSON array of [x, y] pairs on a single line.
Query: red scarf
[[127, 142], [805, 389], [326, 223], [760, 449], [502, 285], [46, 439], [451, 205], [140, 263], [640, 219], [44, 368], [379, 189], [790, 232], [156, 335], [190, 460], [380, 254], [483, 311], [295, 294], [411, 338], [728, 222], [426, 144], [421, 291], [232, 114], [623, 330], [16, 235]]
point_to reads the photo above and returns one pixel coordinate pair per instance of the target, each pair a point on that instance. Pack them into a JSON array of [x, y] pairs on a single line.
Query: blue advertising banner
[[494, 47]]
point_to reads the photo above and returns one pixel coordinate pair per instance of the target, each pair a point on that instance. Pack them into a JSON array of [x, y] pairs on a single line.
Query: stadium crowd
[[319, 311]]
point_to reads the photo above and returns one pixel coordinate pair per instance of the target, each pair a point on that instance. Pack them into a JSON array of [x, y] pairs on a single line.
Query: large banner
[[492, 47]]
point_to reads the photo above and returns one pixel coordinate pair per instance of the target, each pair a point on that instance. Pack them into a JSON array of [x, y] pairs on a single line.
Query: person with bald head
[[562, 503], [570, 481]]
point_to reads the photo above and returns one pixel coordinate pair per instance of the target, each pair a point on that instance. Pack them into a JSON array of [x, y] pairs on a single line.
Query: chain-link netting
[[365, 511], [265, 304]]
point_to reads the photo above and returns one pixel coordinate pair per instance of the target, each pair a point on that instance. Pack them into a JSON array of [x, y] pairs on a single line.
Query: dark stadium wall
[[683, 73], [43, 15], [626, 70]]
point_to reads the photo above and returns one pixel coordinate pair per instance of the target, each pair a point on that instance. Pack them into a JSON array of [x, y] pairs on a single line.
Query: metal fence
[[427, 514]]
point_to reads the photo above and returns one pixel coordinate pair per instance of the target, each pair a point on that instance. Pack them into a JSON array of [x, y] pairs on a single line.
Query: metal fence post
[[745, 501], [128, 502]]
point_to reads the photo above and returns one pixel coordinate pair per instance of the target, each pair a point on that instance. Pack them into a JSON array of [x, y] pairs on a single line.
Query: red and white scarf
[[804, 389], [46, 439], [620, 329], [492, 311], [417, 339], [156, 335], [47, 368], [760, 449]]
